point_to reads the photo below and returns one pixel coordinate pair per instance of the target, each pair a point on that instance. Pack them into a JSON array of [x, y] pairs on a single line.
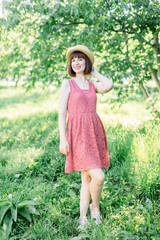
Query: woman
[[84, 143]]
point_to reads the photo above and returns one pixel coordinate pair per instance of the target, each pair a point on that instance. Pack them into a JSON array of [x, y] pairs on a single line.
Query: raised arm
[[63, 99], [105, 85]]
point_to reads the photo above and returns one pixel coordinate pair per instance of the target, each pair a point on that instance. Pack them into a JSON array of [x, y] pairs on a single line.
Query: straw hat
[[82, 49]]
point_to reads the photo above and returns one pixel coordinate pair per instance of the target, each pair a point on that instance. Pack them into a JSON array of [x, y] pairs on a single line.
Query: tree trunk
[[149, 99], [154, 76], [156, 47], [16, 82]]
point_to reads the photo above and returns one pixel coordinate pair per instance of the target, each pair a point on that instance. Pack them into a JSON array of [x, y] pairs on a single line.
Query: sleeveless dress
[[85, 132]]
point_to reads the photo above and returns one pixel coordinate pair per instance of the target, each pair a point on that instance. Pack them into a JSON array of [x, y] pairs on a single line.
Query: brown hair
[[88, 64]]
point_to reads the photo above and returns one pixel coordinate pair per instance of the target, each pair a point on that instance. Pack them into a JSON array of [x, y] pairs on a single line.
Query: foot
[[83, 220], [95, 215]]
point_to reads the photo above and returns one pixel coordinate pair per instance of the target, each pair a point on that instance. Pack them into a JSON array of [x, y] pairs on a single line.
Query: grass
[[32, 167]]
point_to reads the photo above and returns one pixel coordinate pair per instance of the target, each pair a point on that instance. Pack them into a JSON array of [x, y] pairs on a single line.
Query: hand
[[93, 72], [64, 147]]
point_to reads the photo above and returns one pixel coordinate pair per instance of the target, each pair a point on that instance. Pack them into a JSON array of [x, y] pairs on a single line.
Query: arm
[[63, 99], [105, 84]]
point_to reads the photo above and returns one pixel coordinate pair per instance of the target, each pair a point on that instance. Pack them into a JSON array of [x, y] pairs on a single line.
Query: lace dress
[[85, 132]]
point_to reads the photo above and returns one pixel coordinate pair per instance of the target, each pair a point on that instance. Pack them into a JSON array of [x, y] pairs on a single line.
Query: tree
[[124, 35]]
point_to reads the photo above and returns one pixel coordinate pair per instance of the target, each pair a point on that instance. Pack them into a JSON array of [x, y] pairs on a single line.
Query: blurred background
[[125, 39]]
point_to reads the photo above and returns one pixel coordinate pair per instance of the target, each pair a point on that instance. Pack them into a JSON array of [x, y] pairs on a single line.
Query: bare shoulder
[[95, 84], [93, 81], [65, 90], [65, 84]]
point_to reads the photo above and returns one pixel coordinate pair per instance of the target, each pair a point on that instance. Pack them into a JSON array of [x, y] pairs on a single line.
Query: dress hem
[[74, 170]]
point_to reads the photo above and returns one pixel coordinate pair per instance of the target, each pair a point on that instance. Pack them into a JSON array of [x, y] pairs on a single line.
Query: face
[[78, 64]]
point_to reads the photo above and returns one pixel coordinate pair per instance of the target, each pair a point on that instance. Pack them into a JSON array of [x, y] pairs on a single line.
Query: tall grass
[[31, 166]]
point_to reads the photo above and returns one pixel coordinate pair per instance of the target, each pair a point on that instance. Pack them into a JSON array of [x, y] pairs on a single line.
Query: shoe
[[95, 215], [83, 220]]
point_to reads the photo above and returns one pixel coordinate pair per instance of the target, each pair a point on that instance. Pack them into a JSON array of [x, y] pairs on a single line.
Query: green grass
[[32, 167]]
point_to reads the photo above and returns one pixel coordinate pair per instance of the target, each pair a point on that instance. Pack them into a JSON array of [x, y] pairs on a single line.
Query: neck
[[80, 77]]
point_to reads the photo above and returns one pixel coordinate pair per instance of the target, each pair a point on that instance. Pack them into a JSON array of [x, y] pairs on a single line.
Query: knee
[[85, 177], [99, 178]]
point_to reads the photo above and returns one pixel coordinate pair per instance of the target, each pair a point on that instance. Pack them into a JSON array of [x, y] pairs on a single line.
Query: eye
[[79, 59]]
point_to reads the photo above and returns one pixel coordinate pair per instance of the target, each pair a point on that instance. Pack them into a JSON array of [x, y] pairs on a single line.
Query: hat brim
[[82, 49]]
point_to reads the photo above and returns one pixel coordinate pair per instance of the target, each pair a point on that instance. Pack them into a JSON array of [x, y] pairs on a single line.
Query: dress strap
[[73, 84], [92, 84]]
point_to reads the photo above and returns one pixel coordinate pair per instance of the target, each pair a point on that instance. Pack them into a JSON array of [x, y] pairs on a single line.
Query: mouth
[[77, 67]]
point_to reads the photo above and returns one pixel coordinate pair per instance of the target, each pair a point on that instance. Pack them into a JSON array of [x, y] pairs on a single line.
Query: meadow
[[31, 167]]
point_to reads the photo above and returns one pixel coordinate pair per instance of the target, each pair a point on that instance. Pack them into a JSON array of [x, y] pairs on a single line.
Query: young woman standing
[[84, 143]]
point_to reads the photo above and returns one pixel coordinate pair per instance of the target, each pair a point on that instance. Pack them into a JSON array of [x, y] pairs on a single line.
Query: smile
[[76, 67]]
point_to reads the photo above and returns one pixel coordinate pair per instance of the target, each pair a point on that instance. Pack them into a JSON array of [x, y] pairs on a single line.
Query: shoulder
[[65, 85], [94, 83]]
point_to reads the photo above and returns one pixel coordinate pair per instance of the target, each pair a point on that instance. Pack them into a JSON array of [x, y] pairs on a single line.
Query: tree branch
[[68, 24], [125, 31], [154, 76]]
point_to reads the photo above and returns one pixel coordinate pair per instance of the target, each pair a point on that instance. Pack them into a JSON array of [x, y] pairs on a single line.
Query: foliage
[[124, 35], [31, 165], [10, 209]]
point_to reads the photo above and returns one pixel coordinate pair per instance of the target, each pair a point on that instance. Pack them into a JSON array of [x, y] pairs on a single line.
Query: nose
[[76, 61]]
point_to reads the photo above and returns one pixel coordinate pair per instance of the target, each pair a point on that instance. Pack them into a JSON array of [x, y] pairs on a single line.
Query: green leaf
[[91, 16], [3, 211], [25, 213], [149, 204], [72, 10], [7, 224], [56, 6], [26, 203], [76, 11], [32, 210], [4, 202], [14, 213]]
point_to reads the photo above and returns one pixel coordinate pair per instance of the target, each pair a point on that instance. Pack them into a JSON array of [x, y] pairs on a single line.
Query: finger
[[68, 148], [65, 151], [62, 151]]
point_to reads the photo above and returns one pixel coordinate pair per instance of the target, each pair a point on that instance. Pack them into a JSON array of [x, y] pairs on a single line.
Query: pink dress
[[85, 132]]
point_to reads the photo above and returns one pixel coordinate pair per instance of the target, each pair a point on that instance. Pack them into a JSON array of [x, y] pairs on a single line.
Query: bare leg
[[85, 193], [96, 186]]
